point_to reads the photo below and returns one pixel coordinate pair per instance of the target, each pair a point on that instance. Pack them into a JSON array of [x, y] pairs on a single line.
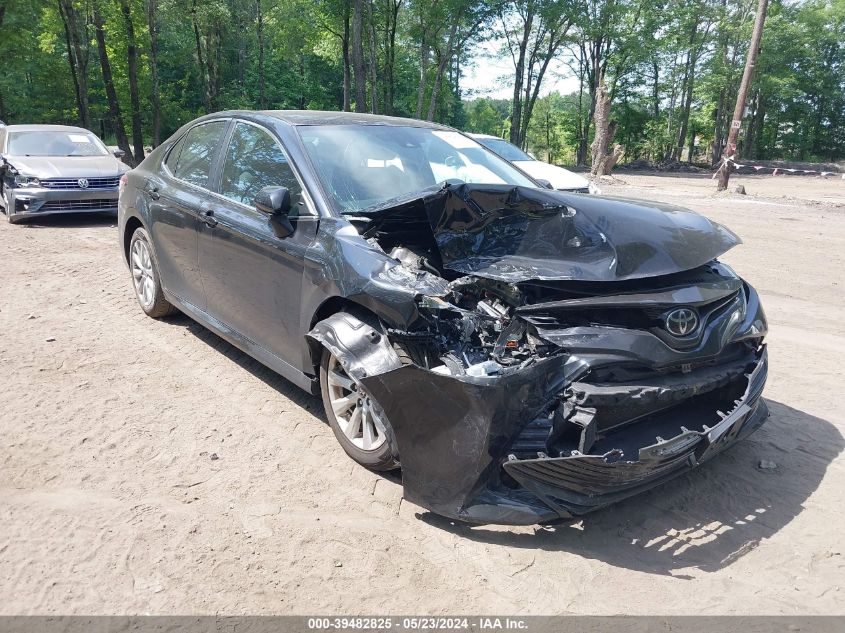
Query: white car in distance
[[560, 178]]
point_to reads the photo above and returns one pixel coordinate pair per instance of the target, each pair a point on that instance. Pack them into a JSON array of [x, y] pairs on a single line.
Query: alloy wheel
[[358, 416], [142, 272]]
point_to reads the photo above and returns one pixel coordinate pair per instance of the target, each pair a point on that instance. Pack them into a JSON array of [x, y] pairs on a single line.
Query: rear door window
[[197, 155], [173, 155]]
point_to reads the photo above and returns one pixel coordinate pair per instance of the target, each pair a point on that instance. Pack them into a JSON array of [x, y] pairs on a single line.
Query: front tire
[[358, 422], [145, 277], [7, 209]]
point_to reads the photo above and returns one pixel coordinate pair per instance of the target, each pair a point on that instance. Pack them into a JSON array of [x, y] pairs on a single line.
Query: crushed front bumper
[[575, 485], [32, 201], [455, 434]]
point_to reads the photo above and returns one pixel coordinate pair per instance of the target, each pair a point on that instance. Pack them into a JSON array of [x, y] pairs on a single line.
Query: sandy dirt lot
[[149, 467]]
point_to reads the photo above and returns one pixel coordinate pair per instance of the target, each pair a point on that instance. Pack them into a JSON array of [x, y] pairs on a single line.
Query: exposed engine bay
[[560, 358]]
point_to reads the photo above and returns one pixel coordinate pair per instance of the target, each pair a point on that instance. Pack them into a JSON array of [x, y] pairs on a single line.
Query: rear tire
[[358, 422], [145, 277]]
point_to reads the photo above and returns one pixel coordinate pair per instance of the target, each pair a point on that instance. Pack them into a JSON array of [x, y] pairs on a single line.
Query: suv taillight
[[123, 180]]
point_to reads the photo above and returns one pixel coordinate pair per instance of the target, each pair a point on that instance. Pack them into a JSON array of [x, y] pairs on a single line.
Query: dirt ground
[[149, 467]]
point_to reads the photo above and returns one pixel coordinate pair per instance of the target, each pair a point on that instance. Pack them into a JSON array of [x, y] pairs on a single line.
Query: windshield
[[362, 166], [53, 143], [506, 150]]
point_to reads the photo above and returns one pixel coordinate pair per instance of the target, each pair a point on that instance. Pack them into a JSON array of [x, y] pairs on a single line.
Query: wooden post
[[747, 75]]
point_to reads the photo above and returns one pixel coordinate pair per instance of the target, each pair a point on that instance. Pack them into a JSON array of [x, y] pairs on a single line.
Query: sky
[[489, 74]]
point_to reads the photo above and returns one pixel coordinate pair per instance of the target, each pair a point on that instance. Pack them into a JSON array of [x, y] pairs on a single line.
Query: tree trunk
[[390, 62], [603, 161], [689, 83], [132, 68], [435, 88], [155, 95], [686, 107], [655, 88], [74, 75], [716, 150], [372, 62], [214, 69], [240, 27], [442, 61], [347, 72], [595, 74], [755, 127], [424, 55], [583, 122], [111, 94], [531, 97], [358, 57], [301, 66], [259, 30], [760, 115], [201, 62], [77, 31], [519, 75]]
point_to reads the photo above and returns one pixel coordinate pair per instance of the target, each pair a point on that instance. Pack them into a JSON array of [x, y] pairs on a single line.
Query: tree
[[534, 32], [358, 64], [132, 74], [614, 37], [463, 20], [108, 82], [155, 92], [77, 35], [670, 68], [486, 116]]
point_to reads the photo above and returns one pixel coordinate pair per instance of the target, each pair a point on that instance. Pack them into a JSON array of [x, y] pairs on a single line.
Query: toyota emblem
[[681, 322], [83, 183]]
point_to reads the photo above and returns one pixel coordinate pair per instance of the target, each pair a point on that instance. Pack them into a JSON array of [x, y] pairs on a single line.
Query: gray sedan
[[49, 169]]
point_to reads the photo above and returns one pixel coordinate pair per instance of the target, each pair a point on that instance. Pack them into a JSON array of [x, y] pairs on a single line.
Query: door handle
[[207, 216], [153, 193]]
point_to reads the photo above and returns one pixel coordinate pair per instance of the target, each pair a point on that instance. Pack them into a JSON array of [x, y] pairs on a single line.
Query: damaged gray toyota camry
[[524, 355]]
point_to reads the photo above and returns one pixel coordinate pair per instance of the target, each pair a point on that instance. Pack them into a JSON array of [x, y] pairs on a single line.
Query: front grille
[[73, 183], [632, 317], [105, 204]]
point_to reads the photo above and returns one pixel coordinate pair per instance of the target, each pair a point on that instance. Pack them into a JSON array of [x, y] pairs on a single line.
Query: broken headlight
[[26, 181]]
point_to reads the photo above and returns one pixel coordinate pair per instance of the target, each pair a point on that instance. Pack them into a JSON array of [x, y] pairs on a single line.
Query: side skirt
[[265, 357]]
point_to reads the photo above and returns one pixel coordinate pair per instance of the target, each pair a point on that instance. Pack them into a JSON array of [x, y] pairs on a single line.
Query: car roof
[[44, 128], [320, 117]]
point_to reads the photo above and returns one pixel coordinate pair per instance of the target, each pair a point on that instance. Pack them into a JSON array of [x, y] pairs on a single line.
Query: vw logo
[[83, 183], [681, 322]]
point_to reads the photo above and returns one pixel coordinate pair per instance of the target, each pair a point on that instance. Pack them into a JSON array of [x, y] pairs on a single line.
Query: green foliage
[[487, 116], [649, 54]]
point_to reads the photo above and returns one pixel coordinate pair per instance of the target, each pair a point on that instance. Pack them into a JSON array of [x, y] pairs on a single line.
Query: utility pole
[[750, 61]]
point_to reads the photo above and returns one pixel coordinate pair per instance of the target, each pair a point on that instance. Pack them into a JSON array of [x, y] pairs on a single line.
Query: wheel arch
[[328, 308], [133, 223]]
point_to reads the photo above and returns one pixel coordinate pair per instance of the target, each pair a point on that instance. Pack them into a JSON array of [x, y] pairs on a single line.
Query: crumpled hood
[[67, 166], [518, 234], [559, 177]]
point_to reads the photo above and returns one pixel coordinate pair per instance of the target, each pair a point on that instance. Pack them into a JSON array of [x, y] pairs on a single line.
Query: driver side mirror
[[544, 183], [119, 153], [275, 202]]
